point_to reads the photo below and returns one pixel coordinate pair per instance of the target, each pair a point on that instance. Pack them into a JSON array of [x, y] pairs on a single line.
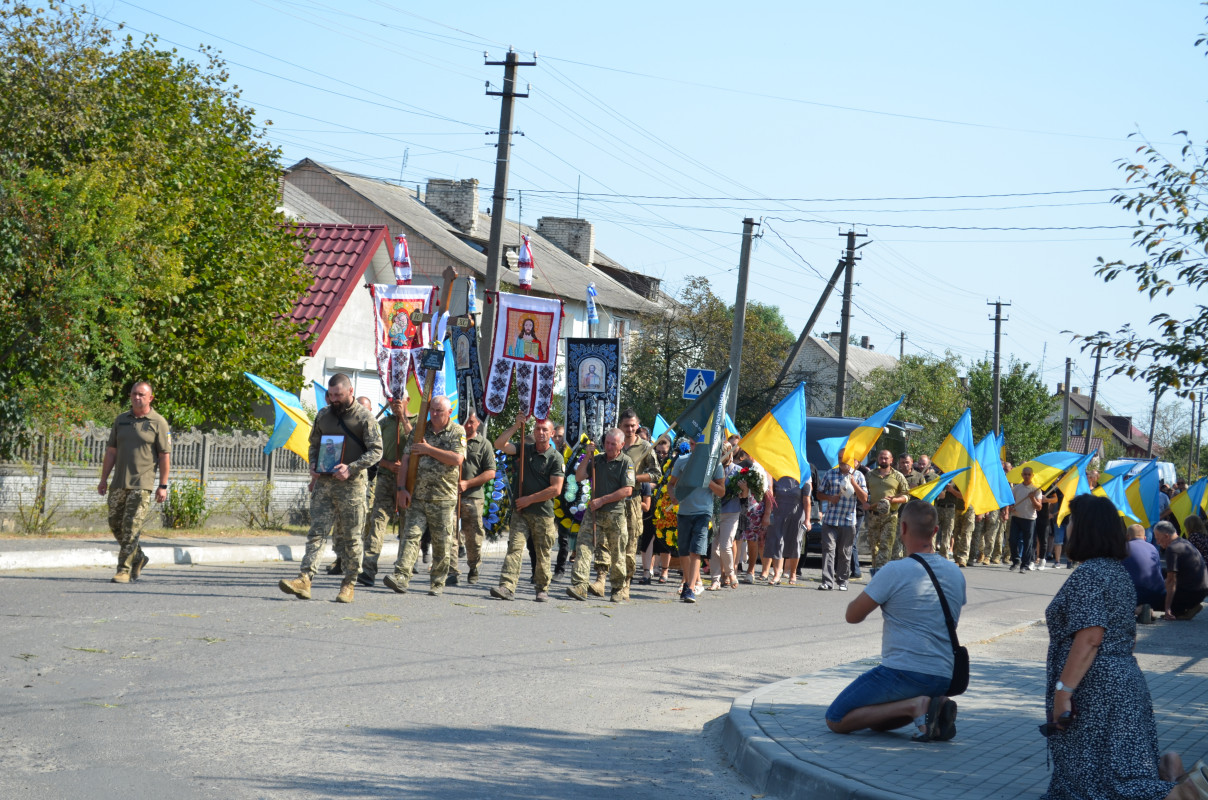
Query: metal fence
[[60, 471]]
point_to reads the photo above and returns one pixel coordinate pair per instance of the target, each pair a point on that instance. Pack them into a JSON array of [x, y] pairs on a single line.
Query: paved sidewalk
[[776, 736], [101, 551]]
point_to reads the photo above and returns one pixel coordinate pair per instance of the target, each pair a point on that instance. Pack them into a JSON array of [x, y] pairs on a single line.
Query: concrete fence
[[58, 472]]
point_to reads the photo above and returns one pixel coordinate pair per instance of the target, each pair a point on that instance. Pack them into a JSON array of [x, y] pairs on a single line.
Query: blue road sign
[[696, 381]]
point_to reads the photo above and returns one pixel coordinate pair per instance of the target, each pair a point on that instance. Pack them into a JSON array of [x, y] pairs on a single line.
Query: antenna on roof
[[403, 166]]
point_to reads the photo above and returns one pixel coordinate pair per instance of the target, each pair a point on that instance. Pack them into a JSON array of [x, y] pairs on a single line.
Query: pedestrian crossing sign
[[696, 381]]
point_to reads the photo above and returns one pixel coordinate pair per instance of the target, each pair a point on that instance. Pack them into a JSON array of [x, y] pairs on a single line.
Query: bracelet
[[162, 486], [1061, 687]]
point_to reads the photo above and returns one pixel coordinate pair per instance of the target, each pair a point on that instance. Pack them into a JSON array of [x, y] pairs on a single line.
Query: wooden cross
[[421, 425]]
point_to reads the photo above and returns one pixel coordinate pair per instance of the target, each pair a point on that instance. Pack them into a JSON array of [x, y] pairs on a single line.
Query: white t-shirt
[[1024, 509], [915, 636]]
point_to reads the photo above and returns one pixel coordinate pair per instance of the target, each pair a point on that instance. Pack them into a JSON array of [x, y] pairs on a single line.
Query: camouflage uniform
[[883, 526], [605, 524], [960, 537], [139, 442], [948, 507], [339, 506], [641, 453], [534, 523], [381, 498], [1001, 551], [914, 480], [480, 458], [433, 507]]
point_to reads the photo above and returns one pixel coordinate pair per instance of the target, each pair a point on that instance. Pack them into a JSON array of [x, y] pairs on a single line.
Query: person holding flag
[[641, 453], [842, 489], [695, 513], [613, 478], [887, 489]]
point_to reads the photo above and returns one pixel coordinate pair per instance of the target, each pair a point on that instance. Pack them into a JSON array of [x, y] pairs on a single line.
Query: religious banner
[[398, 337], [463, 341], [525, 341], [593, 385]]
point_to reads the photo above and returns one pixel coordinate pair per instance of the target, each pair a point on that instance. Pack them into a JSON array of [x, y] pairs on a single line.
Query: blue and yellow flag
[[291, 426], [1072, 484], [830, 448], [660, 427], [450, 373], [1142, 493], [731, 428], [1116, 491], [932, 488], [704, 422], [861, 440], [1000, 494], [1046, 468], [778, 440], [956, 450], [1109, 474], [1192, 501]]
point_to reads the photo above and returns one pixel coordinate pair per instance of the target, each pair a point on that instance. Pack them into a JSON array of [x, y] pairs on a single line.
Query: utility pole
[[1153, 418], [1090, 426], [1191, 441], [849, 266], [1199, 428], [499, 197], [1065, 407], [998, 321], [740, 313], [901, 345]]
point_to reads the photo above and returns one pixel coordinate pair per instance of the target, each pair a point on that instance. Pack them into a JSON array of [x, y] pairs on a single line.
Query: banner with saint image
[[398, 338], [593, 386], [524, 349]]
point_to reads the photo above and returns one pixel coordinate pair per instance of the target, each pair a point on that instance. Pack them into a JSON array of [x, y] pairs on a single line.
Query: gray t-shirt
[[698, 501], [915, 636]]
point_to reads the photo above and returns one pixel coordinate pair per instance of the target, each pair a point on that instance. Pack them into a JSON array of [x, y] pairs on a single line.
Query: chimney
[[576, 236], [864, 343], [1061, 388], [1075, 390], [834, 337], [455, 202]]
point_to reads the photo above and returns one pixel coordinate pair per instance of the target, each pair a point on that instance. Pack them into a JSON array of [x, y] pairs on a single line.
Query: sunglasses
[[1060, 726]]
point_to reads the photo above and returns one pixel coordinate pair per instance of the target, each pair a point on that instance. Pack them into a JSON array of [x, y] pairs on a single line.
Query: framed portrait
[[528, 335], [591, 375], [331, 454]]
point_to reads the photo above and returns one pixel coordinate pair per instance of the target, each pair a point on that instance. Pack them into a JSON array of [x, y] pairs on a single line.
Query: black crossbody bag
[[960, 655]]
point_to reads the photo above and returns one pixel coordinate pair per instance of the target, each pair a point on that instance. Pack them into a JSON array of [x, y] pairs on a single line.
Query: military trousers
[[437, 519], [377, 521], [962, 530], [128, 509], [946, 516], [610, 530], [534, 528], [336, 507], [633, 522], [472, 533], [882, 535]]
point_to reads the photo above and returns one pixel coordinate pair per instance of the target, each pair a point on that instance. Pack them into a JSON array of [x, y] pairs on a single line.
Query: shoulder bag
[[960, 655]]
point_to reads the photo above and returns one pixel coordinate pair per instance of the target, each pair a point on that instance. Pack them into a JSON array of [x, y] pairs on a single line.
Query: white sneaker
[[1042, 564], [1032, 567]]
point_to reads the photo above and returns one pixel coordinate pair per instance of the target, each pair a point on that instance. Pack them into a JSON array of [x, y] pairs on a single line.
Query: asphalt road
[[207, 681]]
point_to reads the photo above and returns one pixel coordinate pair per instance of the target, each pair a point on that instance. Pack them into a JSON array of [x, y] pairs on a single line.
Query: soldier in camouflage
[[337, 501], [432, 506], [476, 471], [948, 506], [887, 490], [641, 453], [395, 427], [537, 475], [914, 479], [614, 477], [139, 442]]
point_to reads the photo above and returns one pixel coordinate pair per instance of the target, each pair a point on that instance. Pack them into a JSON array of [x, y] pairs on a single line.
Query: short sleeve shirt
[[843, 511], [915, 635], [612, 475], [891, 485], [480, 458], [641, 453], [1182, 558], [1024, 508], [698, 501], [539, 470], [139, 441], [436, 482]]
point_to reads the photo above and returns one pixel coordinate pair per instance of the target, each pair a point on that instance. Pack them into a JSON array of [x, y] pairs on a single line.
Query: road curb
[[160, 555]]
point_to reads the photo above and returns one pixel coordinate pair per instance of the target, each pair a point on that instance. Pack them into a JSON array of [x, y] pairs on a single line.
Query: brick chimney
[[1075, 390], [454, 201], [1061, 388], [576, 236], [865, 342]]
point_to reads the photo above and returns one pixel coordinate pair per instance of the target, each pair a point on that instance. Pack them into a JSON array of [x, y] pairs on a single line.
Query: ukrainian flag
[[830, 448], [1142, 493], [931, 489], [660, 427], [1072, 484], [999, 490], [861, 440], [291, 425], [1046, 468], [778, 440], [1191, 501], [1116, 491], [1107, 475], [731, 428], [956, 450]]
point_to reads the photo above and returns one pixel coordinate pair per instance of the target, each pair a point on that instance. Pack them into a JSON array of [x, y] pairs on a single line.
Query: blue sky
[[810, 116]]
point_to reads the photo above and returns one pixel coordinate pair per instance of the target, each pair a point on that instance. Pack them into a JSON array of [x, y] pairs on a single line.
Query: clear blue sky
[[811, 116]]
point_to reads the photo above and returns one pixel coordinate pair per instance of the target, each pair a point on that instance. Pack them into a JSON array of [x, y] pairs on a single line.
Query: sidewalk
[[101, 551], [776, 736]]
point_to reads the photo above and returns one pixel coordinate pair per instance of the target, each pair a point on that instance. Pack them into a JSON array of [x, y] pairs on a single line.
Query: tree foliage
[[934, 396], [697, 334], [138, 230], [1172, 231], [1028, 413]]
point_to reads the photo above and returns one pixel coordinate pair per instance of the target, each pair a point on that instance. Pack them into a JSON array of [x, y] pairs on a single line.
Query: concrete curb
[[773, 769], [160, 555]]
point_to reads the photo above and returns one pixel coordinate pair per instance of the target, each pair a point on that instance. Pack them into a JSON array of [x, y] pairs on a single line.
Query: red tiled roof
[[1077, 444], [338, 255]]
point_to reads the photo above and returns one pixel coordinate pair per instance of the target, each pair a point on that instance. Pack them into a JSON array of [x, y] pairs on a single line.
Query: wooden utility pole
[[740, 312], [849, 266], [1065, 407], [499, 198], [1090, 423], [998, 321]]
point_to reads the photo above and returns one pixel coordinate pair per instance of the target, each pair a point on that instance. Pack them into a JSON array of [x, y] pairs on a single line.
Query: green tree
[[1172, 231], [1028, 413], [933, 394], [138, 230], [1179, 453]]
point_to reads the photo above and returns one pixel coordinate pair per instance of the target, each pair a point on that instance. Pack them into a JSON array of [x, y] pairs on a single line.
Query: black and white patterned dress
[[1111, 749]]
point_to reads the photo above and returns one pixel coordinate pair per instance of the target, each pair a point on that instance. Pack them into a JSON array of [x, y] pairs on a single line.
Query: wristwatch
[[1061, 687], [162, 486]]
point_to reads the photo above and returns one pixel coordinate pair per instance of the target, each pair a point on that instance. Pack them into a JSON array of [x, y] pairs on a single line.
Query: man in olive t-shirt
[[533, 514], [476, 471], [139, 442]]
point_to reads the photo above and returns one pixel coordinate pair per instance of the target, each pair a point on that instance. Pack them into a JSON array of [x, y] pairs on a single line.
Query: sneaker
[[395, 583], [842, 586], [472, 578], [140, 561], [124, 577], [542, 597], [502, 593], [451, 579], [346, 592], [1031, 568], [745, 577], [689, 596], [365, 579], [576, 592], [825, 587], [1014, 566], [645, 581], [299, 586], [1043, 565]]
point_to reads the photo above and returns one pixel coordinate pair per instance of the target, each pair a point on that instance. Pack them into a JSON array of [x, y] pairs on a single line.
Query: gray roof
[[860, 361], [557, 273], [301, 207]]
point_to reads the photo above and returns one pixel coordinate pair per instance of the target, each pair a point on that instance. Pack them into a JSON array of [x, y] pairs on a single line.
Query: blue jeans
[[885, 685], [1021, 540]]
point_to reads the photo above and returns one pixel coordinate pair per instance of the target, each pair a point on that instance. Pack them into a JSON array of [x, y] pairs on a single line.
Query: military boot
[[576, 592], [346, 592], [472, 578], [299, 586], [140, 561], [121, 577], [596, 587]]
